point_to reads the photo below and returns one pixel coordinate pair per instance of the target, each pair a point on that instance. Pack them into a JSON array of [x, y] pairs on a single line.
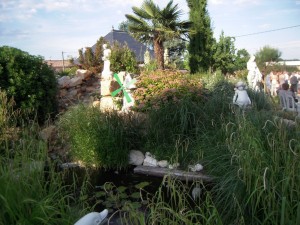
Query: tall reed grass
[[100, 139], [31, 190]]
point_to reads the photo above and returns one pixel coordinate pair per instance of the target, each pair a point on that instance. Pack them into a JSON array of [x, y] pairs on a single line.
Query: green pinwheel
[[122, 88]]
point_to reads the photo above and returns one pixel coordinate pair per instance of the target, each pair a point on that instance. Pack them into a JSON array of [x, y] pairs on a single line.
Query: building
[[122, 37], [59, 65]]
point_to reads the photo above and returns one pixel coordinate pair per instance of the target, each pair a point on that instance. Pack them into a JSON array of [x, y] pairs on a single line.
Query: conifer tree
[[201, 37]]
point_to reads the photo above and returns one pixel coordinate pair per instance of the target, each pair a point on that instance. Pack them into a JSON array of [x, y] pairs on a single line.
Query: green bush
[[158, 88], [122, 59], [30, 81]]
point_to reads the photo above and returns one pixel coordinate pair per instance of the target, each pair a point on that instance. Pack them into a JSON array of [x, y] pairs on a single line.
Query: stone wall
[[82, 88]]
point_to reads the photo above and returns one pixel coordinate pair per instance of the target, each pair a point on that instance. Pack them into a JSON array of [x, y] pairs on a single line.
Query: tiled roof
[[123, 37]]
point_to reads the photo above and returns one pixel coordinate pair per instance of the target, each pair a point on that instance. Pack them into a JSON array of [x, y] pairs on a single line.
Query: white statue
[[147, 57], [254, 76], [93, 218], [106, 73], [241, 97], [166, 56]]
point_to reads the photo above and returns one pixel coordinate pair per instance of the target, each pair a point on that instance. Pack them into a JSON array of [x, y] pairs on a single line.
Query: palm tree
[[150, 24]]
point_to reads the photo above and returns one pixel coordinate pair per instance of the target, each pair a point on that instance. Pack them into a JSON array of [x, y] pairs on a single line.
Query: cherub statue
[[106, 68], [241, 97]]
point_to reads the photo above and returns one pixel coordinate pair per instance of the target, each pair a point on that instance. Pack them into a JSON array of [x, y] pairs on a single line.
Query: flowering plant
[[163, 87]]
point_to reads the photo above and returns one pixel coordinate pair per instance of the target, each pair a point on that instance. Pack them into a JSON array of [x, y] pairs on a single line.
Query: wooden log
[[179, 174]]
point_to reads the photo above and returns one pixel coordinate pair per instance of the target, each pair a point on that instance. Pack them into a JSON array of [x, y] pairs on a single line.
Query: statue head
[[252, 58], [104, 46], [240, 85]]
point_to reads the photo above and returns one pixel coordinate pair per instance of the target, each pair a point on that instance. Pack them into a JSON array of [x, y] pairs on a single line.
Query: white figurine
[[254, 76], [93, 218], [106, 73], [150, 160], [241, 97]]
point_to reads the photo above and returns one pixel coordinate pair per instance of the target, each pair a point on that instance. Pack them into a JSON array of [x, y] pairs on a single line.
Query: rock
[[69, 165], [107, 104], [47, 132], [174, 166], [136, 157], [149, 160], [196, 168], [96, 104], [163, 163], [85, 74], [64, 81], [75, 81]]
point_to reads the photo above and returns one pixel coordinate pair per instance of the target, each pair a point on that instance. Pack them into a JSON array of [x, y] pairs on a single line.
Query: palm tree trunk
[[159, 53]]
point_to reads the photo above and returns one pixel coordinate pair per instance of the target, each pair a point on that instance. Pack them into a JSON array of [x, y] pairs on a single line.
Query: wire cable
[[267, 31]]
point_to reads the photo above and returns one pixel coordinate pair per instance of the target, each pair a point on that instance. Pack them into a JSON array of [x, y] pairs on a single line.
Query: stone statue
[[106, 73], [93, 218], [147, 57], [254, 76], [166, 56], [241, 97]]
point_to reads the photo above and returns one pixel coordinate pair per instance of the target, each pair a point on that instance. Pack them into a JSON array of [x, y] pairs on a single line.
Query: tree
[[124, 26], [152, 24], [201, 37], [176, 49], [224, 54], [89, 57], [267, 54], [242, 57]]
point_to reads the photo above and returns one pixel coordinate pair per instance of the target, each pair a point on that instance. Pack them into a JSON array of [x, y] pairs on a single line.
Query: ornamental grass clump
[[32, 192], [158, 88], [99, 139], [257, 172]]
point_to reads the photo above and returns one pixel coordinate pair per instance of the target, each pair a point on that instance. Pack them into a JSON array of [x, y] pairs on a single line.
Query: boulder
[[75, 81], [163, 163], [63, 82], [84, 74], [136, 158]]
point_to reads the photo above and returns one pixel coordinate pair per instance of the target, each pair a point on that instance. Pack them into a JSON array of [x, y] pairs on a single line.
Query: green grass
[[100, 139], [31, 191]]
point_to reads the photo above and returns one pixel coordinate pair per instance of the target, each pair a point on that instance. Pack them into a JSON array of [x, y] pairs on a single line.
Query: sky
[[50, 27]]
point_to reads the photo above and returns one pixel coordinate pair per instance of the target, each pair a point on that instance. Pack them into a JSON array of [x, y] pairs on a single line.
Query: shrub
[[30, 81], [122, 59], [161, 87]]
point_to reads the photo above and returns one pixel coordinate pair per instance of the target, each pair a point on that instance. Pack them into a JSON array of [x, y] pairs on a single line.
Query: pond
[[115, 189]]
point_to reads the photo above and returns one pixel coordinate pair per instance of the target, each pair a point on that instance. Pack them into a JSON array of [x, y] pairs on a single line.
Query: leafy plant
[[122, 59], [161, 87], [30, 81]]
